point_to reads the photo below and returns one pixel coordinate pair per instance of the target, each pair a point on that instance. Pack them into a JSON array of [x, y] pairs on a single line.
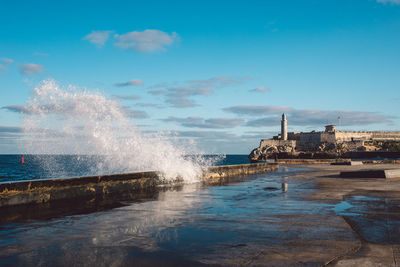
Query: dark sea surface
[[62, 166]]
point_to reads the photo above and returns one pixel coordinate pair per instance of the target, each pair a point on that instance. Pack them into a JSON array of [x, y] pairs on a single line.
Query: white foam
[[76, 121]]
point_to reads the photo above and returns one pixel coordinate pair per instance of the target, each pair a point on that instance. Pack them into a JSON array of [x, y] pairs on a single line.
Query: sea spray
[[75, 121]]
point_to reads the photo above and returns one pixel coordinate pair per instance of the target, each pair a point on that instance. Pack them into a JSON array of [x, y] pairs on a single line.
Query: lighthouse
[[283, 127]]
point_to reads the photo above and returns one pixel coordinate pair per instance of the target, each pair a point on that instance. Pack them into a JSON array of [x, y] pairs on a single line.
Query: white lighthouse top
[[283, 117]]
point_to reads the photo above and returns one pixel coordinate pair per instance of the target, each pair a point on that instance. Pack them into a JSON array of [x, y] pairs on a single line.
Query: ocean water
[[63, 166]]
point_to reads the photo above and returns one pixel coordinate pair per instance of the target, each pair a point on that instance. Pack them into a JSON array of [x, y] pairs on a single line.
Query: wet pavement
[[293, 217], [370, 206]]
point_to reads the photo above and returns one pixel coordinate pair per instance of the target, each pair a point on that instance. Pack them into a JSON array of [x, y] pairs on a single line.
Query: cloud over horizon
[[257, 110], [308, 117], [206, 134], [10, 129], [18, 109]]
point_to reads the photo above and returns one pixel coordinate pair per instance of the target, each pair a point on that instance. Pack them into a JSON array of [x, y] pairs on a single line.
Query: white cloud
[[30, 68], [261, 89], [394, 2], [98, 38], [206, 134], [258, 110], [134, 82], [145, 41]]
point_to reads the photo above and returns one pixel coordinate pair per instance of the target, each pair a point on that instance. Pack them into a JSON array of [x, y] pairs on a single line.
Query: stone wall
[[109, 186], [328, 137], [348, 135], [311, 137], [386, 136]]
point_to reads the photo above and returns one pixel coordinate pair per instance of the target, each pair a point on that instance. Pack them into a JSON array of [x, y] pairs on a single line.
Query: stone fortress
[[330, 141]]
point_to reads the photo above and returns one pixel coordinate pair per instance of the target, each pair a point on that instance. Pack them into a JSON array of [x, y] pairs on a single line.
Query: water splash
[[76, 121]]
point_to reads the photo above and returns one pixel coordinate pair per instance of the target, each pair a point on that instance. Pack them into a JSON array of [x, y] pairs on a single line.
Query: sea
[[36, 167]]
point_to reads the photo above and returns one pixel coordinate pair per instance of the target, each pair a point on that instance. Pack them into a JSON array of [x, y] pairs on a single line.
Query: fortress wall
[[386, 136], [349, 136], [328, 137], [294, 136], [313, 137]]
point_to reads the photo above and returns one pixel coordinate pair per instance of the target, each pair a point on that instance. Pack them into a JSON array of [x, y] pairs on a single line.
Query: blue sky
[[220, 72]]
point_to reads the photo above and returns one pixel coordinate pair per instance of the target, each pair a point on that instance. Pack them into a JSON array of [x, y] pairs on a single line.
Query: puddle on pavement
[[342, 209], [375, 219]]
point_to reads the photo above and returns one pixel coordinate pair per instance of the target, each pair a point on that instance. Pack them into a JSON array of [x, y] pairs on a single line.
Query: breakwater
[[108, 186]]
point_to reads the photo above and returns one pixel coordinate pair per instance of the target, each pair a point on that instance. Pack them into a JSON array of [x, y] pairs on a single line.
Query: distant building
[[328, 140]]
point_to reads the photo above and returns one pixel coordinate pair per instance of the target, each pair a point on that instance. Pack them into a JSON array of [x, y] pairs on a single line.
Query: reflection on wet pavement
[[375, 219], [234, 224]]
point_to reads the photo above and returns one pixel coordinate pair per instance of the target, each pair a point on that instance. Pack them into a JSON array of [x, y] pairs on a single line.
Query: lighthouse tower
[[283, 127]]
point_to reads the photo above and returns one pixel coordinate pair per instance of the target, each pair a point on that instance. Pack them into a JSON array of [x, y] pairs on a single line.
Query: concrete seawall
[[108, 186]]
